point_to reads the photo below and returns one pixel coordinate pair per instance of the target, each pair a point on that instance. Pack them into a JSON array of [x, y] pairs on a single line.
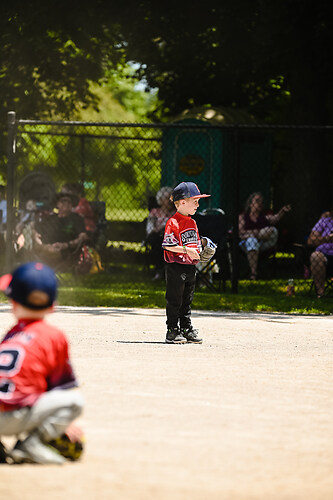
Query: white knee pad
[[59, 409]]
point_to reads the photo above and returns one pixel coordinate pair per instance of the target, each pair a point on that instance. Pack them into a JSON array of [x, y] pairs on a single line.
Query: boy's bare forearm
[[192, 252], [176, 249]]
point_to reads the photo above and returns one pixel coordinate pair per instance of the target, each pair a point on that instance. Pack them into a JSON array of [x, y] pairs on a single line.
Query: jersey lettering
[[7, 387], [170, 240], [189, 236], [11, 361]]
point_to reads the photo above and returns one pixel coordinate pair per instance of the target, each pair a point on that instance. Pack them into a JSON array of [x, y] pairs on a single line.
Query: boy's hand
[[192, 253], [74, 433]]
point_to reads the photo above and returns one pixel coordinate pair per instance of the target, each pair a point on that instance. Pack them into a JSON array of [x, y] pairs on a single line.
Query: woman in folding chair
[[257, 231], [321, 260]]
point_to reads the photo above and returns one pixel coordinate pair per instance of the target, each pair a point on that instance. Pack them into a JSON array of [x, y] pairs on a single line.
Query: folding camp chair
[[302, 254], [212, 223]]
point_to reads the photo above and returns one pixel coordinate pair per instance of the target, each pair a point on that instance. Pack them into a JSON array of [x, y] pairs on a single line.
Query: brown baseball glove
[[208, 250], [71, 444]]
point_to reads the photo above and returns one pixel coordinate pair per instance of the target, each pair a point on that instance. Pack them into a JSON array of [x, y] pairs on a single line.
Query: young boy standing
[[182, 247], [35, 371]]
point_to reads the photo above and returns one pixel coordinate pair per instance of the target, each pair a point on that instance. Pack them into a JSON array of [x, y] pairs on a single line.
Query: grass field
[[130, 287]]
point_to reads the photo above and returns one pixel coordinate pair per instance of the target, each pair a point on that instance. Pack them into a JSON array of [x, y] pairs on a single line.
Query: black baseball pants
[[180, 285]]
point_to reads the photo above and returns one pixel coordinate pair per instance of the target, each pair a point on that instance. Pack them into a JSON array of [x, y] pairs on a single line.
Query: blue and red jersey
[[33, 359]]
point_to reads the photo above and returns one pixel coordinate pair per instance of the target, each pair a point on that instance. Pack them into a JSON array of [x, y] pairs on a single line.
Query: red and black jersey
[[181, 230], [33, 359]]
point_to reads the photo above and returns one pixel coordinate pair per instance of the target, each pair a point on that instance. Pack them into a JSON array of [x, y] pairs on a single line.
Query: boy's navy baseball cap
[[187, 190], [34, 285]]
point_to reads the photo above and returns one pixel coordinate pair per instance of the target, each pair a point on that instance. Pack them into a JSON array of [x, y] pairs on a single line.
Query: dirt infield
[[245, 415]]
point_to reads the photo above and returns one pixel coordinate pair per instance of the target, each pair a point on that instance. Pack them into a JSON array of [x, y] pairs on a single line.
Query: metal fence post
[[83, 160], [235, 204], [11, 120]]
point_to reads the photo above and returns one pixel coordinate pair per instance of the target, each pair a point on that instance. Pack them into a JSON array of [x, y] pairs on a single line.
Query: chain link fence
[[121, 168]]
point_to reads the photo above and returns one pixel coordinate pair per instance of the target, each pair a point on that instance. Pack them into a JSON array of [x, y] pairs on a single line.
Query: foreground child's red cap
[[4, 281]]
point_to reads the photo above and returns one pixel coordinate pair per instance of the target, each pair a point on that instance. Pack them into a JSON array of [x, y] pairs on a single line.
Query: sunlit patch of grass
[[130, 287]]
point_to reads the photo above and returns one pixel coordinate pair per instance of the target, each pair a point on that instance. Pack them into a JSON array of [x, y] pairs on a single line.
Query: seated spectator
[[83, 206], [257, 231], [321, 260], [156, 221], [59, 235], [3, 216], [3, 206]]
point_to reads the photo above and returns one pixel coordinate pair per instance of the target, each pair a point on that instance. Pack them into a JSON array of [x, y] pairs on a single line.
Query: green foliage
[[232, 53], [126, 88], [49, 52], [110, 161], [120, 164]]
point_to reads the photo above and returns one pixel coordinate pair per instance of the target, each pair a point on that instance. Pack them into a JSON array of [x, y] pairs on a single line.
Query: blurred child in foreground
[[37, 400]]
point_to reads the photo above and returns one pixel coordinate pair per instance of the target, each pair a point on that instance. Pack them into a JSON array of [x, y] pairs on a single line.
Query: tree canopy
[[49, 51], [270, 56]]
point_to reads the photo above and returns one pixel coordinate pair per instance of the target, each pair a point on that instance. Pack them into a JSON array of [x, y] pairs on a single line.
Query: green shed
[[205, 155]]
